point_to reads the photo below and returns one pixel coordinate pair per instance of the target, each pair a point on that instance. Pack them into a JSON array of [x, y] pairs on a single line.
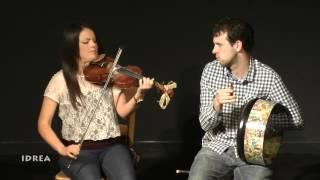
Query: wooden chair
[[127, 129]]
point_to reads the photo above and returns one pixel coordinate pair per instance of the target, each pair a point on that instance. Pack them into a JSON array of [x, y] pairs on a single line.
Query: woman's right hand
[[71, 151]]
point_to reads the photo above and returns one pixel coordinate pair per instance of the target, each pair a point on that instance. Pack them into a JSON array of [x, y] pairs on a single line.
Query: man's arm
[[209, 117], [281, 94]]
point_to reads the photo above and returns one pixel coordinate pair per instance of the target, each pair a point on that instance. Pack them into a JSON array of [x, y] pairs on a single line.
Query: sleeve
[[53, 89], [281, 94], [208, 116]]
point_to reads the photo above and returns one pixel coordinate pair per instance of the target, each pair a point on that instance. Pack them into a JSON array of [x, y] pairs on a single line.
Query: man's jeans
[[209, 165]]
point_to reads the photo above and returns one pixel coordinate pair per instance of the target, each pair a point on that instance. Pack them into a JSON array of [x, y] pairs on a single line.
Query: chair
[[127, 132]]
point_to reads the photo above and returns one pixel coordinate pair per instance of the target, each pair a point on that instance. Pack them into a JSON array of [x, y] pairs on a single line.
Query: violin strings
[[129, 73]]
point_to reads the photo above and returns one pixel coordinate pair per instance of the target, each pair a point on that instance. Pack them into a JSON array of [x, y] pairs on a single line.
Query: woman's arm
[[45, 130]]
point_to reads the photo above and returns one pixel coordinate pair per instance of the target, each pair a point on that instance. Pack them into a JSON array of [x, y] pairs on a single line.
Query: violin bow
[[99, 99]]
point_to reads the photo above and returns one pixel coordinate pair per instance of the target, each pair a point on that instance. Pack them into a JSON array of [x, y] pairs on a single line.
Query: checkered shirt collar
[[249, 77]]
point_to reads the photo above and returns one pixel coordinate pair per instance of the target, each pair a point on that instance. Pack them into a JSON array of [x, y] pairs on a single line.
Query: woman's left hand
[[144, 84]]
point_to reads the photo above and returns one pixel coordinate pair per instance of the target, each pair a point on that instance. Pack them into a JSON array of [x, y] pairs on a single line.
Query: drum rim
[[242, 126], [243, 121]]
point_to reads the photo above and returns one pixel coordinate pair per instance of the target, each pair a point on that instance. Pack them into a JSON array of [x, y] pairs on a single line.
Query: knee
[[121, 175], [81, 175], [87, 172], [208, 164], [127, 176], [127, 173], [196, 175], [253, 172], [199, 169], [86, 176]]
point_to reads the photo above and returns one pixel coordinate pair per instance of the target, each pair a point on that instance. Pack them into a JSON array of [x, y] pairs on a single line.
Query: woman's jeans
[[209, 165], [114, 161]]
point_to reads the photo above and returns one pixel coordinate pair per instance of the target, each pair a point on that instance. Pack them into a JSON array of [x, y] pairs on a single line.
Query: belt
[[98, 144]]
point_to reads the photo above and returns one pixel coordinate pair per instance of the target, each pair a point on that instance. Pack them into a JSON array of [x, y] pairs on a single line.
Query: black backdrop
[[169, 41]]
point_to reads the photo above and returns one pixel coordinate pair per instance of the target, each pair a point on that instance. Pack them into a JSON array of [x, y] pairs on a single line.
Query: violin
[[123, 77]]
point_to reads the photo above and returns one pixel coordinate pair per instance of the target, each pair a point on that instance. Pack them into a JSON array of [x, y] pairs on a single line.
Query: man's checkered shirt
[[261, 81]]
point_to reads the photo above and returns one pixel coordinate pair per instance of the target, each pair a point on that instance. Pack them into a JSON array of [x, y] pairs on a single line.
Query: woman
[[80, 102]]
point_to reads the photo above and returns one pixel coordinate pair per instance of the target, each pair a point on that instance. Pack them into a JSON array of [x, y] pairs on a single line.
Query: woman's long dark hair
[[70, 59]]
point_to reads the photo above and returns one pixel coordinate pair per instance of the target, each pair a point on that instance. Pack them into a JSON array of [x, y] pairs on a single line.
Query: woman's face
[[88, 47]]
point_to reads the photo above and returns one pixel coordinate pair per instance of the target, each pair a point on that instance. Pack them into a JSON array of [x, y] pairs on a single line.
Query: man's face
[[223, 50]]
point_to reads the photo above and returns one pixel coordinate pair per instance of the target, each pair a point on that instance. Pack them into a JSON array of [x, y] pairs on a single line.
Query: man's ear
[[238, 45]]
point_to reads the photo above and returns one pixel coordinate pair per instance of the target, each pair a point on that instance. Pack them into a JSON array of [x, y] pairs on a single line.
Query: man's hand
[[223, 96]]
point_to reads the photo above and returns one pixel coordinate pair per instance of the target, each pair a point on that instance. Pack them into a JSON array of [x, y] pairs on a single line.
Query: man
[[227, 84]]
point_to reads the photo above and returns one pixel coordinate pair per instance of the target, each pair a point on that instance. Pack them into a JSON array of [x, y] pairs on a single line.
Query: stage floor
[[286, 167]]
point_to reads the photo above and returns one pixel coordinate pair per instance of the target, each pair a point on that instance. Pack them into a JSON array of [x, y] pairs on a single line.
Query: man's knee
[[252, 172], [208, 165]]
